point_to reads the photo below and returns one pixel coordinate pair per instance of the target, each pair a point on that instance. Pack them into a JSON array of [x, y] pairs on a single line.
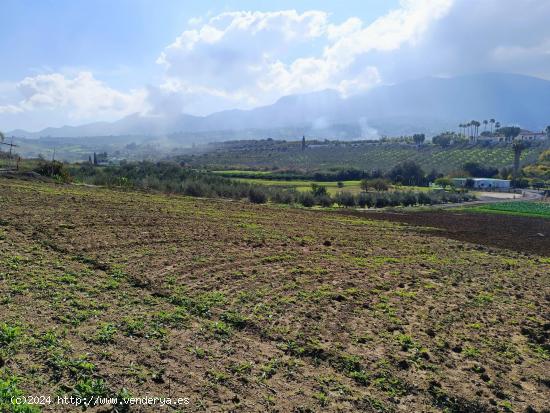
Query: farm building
[[483, 183], [525, 135]]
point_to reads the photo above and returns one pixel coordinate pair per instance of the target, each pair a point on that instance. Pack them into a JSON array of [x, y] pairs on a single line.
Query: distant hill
[[426, 105]]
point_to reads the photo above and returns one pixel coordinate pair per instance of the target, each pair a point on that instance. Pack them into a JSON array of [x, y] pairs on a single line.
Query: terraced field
[[242, 307]]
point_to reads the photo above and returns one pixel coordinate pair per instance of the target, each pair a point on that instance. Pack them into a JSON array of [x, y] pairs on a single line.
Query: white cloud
[[81, 97], [10, 109], [245, 59], [250, 58]]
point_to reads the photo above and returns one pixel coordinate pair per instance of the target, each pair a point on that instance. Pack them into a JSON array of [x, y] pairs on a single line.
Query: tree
[[2, 137], [497, 125], [485, 123], [547, 131], [492, 121], [407, 173], [444, 182], [476, 126], [442, 140], [303, 143], [318, 190], [419, 138], [518, 147], [509, 132], [378, 184], [479, 171]]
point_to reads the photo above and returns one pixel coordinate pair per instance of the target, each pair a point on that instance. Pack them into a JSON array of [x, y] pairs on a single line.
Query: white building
[[525, 135], [483, 183]]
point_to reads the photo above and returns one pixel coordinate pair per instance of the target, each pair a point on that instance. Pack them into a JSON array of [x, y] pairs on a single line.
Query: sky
[[75, 62]]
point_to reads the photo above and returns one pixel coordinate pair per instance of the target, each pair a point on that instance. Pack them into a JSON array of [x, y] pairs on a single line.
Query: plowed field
[[246, 308]]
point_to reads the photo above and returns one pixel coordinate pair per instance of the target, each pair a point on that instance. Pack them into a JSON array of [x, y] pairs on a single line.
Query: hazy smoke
[[367, 132]]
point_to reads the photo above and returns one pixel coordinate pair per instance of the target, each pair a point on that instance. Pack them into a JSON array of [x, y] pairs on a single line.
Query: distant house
[[525, 135], [483, 183]]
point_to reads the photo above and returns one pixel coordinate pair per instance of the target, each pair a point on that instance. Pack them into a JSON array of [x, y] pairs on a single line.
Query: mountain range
[[427, 105]]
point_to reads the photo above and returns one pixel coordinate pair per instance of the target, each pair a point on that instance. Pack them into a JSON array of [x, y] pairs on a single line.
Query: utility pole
[[10, 157]]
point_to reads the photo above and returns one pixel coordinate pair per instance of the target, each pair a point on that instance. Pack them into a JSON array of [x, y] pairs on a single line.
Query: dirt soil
[[257, 308], [524, 234]]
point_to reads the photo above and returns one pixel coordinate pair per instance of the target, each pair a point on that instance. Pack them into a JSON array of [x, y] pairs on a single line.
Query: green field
[[530, 209], [303, 186]]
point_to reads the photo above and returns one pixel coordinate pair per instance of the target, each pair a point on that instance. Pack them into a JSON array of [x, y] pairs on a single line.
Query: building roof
[[485, 179], [528, 132]]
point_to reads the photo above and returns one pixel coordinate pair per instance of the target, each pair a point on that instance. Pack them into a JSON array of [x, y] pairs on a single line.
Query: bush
[[381, 201], [284, 197], [306, 199], [362, 200], [257, 196], [519, 183], [324, 200], [378, 184], [424, 199], [444, 182], [53, 169], [409, 199], [345, 199], [194, 189]]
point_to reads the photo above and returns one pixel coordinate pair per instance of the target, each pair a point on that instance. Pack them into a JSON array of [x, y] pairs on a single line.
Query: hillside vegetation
[[366, 156], [541, 168], [244, 307]]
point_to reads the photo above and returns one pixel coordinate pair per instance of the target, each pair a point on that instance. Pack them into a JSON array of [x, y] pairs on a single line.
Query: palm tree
[[475, 124], [485, 122], [517, 147], [491, 121], [497, 125]]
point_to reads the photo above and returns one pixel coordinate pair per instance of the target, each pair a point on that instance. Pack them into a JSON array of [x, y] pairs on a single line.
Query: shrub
[[424, 199], [444, 182], [306, 199], [345, 199], [284, 197], [519, 183], [324, 200], [409, 199], [381, 200], [362, 200], [194, 189], [53, 169], [257, 195]]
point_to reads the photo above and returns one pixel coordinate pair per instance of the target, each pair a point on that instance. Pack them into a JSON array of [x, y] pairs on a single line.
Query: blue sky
[[74, 62]]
